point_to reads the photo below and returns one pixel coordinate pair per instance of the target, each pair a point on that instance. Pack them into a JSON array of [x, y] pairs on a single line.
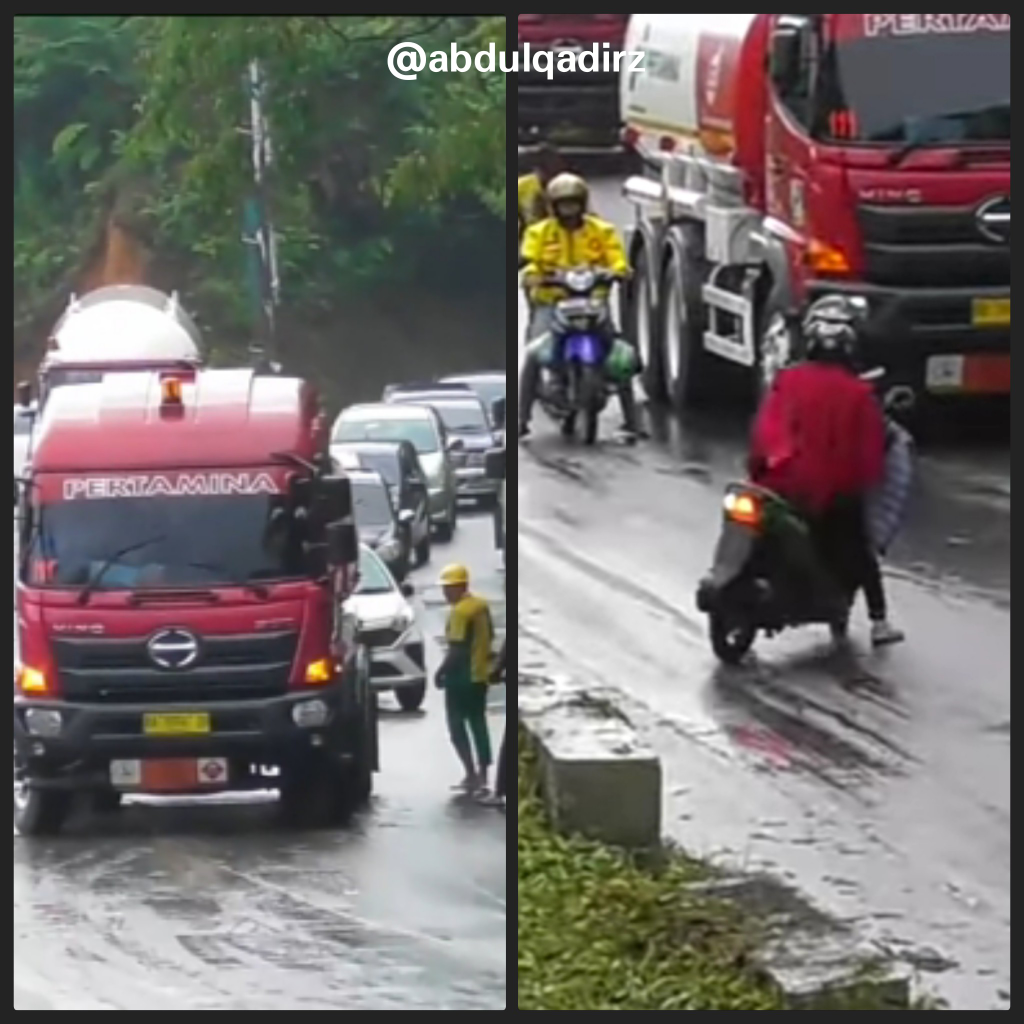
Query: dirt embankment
[[371, 340]]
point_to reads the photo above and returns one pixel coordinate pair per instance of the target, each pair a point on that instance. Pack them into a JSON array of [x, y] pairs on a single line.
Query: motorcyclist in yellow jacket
[[533, 204], [569, 239]]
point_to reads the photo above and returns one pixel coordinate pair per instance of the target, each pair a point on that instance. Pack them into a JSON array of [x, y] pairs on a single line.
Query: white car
[[389, 628]]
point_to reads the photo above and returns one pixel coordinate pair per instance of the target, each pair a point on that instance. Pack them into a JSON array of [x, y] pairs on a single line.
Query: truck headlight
[[310, 714], [44, 724]]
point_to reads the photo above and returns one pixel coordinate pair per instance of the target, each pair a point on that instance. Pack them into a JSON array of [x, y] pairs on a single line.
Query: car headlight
[[403, 622]]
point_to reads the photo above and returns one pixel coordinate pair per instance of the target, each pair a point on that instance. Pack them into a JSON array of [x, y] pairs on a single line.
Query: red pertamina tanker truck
[[793, 156]]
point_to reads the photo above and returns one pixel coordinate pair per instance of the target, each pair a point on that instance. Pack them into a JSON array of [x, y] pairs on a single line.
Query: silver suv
[[424, 429]]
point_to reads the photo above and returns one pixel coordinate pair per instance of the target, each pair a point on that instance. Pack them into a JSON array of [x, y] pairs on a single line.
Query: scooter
[[579, 387], [766, 576]]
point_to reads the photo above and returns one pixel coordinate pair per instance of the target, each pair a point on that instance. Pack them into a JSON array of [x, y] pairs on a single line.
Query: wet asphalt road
[[213, 907], [880, 786]]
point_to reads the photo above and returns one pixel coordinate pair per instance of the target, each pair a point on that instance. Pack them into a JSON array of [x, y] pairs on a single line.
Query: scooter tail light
[[744, 509]]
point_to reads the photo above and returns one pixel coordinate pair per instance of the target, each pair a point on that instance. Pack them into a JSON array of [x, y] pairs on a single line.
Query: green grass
[[599, 931]]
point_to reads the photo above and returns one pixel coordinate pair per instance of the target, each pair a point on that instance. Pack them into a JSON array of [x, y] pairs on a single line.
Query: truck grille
[[235, 668], [931, 247]]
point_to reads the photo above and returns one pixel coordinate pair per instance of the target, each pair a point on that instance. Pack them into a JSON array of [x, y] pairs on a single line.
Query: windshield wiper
[[93, 585], [254, 587]]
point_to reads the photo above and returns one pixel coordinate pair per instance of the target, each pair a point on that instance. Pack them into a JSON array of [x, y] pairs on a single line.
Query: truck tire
[[639, 320], [690, 370], [316, 791], [40, 813]]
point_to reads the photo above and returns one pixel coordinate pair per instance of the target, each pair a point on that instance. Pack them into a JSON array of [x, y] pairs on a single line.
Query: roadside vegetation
[[598, 931], [136, 121]]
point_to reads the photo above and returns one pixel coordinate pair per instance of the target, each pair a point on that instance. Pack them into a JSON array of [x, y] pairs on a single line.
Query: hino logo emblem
[[173, 650], [994, 220]]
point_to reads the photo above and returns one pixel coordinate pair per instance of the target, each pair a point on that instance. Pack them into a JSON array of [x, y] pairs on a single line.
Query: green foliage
[[375, 180], [74, 86], [597, 932]]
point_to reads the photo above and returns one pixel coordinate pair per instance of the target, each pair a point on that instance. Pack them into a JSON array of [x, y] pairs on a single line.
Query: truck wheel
[[640, 324], [689, 368], [107, 802], [39, 813], [315, 791]]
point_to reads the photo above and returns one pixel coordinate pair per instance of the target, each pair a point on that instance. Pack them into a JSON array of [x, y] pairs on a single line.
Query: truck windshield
[[168, 543], [916, 89]]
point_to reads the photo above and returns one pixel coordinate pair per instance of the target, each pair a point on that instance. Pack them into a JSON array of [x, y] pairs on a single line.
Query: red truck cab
[[185, 562], [578, 107], [791, 157]]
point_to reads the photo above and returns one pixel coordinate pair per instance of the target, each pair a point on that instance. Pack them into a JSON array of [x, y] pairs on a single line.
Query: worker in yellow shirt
[[569, 239], [533, 204], [465, 677]]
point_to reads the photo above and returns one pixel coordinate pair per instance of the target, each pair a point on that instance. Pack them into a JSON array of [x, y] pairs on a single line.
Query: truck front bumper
[[72, 746], [938, 341]]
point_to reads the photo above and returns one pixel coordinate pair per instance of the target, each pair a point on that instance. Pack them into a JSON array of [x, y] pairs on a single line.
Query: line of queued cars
[[414, 459]]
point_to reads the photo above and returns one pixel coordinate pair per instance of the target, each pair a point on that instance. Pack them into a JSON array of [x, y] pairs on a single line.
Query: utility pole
[[258, 231]]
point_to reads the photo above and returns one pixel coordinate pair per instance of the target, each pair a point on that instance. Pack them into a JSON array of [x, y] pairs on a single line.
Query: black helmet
[[832, 329]]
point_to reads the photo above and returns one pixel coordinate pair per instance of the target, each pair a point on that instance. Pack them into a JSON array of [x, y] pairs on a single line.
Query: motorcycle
[[579, 386], [766, 576]]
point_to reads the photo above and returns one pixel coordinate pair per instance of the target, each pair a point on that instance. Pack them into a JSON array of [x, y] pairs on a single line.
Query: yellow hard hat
[[455, 576]]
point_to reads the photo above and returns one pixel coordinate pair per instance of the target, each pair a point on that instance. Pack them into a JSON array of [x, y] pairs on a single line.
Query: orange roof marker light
[[172, 392]]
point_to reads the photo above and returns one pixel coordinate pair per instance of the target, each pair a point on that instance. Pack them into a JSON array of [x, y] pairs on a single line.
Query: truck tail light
[[826, 259], [30, 682]]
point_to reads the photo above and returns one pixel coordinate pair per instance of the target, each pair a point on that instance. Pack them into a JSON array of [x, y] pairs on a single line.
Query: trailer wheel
[[689, 368], [640, 323]]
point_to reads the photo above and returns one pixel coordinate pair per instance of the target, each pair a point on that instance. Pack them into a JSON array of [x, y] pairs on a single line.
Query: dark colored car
[[467, 421], [399, 465], [384, 531], [488, 387]]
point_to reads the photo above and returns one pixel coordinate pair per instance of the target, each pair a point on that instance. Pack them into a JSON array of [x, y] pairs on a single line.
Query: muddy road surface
[[879, 784], [214, 907]]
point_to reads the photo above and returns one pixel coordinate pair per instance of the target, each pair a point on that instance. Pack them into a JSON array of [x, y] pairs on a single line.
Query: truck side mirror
[[495, 463], [498, 413], [342, 545], [26, 395], [332, 500]]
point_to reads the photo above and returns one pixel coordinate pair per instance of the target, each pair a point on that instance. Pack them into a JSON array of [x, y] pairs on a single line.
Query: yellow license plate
[[177, 725], [991, 312]]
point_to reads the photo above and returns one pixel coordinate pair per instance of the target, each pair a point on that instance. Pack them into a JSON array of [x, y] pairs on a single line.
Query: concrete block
[[814, 961], [597, 779]]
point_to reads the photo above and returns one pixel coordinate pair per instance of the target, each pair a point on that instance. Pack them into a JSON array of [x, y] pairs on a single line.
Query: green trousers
[[466, 708]]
